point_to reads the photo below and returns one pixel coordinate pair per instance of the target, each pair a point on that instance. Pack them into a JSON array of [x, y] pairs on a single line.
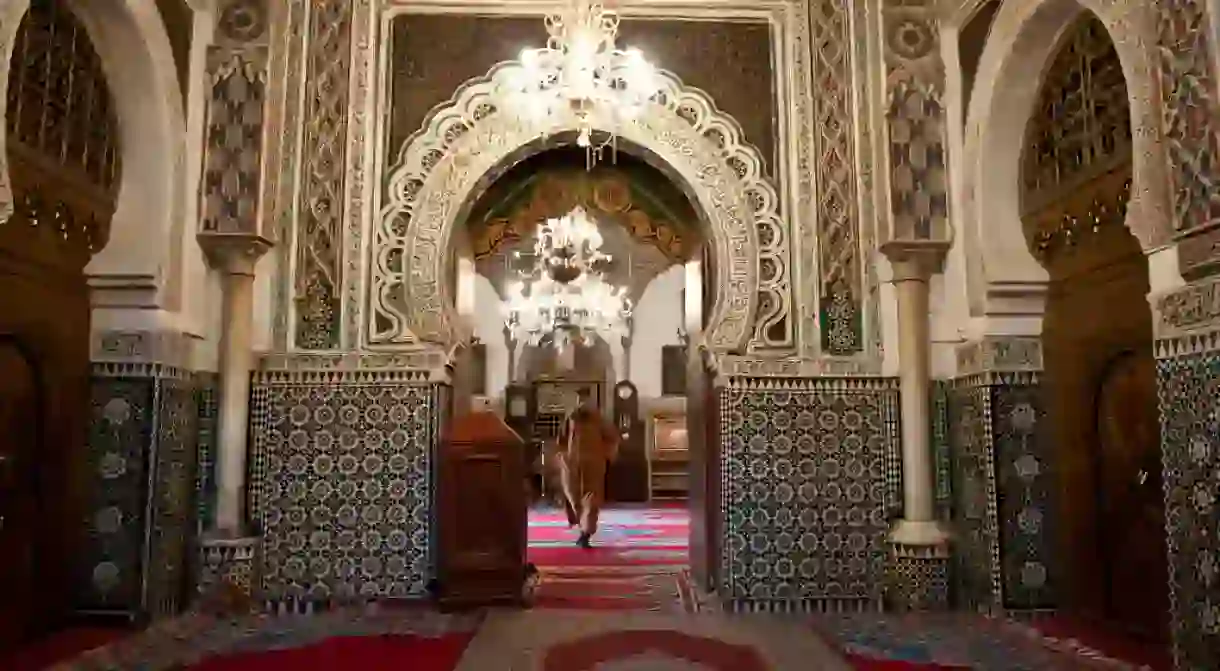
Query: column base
[[229, 568], [917, 579]]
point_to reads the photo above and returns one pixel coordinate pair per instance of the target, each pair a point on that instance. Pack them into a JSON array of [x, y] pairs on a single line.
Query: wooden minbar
[[481, 504]]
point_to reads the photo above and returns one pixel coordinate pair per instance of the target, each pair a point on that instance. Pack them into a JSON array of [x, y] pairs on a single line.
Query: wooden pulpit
[[481, 501]]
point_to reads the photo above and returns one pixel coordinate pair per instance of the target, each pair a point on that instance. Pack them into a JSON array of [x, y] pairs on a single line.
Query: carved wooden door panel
[[19, 432], [1131, 505]]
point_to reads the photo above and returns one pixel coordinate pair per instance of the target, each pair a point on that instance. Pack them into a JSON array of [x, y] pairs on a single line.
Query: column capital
[[234, 253], [915, 259]]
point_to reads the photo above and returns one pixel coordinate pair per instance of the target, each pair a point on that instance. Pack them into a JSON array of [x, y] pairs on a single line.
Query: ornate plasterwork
[[811, 129], [1000, 354], [1021, 42], [231, 184], [11, 14], [915, 115], [833, 244], [168, 348], [442, 164], [418, 366], [1187, 320], [1188, 85], [318, 262]]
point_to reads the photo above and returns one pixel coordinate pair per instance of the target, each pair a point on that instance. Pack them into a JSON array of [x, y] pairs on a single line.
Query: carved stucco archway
[[131, 42], [441, 166], [1020, 46]]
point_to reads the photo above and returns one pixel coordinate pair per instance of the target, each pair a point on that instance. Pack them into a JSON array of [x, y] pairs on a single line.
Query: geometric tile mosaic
[[1189, 396], [1002, 465], [343, 473], [807, 468], [141, 492], [205, 479]]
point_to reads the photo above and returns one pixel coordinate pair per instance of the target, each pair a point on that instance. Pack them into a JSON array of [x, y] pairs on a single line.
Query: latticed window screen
[[59, 104], [1082, 125]]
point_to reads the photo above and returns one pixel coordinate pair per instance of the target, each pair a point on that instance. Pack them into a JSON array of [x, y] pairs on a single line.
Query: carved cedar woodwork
[[1076, 173], [1076, 166], [62, 141], [63, 158], [609, 193]]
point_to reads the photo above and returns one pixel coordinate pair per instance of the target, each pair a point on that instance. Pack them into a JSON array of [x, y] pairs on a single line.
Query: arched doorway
[[1100, 382], [652, 234], [468, 142], [62, 145]]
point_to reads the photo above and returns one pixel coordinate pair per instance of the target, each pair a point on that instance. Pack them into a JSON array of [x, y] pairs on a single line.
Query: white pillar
[[913, 265], [235, 257]]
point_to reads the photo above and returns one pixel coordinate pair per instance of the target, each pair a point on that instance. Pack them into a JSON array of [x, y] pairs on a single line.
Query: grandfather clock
[[627, 479]]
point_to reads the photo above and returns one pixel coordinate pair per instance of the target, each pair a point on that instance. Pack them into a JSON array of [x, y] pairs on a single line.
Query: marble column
[[230, 550], [920, 545]]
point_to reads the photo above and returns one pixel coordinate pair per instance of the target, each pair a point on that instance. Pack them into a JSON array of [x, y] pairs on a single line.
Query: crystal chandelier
[[564, 296], [582, 79]]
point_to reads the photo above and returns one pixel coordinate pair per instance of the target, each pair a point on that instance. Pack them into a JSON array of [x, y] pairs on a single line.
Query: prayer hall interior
[[553, 334]]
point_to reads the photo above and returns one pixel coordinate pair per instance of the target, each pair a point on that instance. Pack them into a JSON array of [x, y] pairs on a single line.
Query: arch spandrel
[[441, 166]]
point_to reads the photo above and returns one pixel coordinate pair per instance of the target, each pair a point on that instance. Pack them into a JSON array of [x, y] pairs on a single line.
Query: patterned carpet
[[625, 536], [638, 561], [543, 640], [610, 609], [373, 638], [955, 641]]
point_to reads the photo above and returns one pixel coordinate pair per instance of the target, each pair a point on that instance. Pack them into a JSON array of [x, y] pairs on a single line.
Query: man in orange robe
[[587, 444]]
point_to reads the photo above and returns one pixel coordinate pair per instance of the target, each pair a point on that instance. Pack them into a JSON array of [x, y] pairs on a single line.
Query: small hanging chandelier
[[582, 79], [564, 297]]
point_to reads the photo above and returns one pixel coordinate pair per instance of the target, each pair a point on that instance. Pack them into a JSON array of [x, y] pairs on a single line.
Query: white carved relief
[[11, 13], [440, 166], [1023, 38], [792, 288]]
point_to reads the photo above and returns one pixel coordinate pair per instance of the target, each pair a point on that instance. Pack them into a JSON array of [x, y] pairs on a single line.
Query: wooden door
[[1131, 504], [19, 437], [704, 488]]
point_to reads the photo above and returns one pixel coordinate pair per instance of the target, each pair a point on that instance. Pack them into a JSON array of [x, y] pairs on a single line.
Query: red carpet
[[367, 653], [615, 588], [59, 647], [1095, 640], [625, 537], [865, 664], [637, 561]]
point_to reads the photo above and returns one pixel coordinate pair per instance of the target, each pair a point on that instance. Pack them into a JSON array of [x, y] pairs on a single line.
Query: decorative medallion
[[910, 38], [243, 20]]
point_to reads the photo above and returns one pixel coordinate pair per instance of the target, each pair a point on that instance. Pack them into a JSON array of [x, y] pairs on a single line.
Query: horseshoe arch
[[463, 141]]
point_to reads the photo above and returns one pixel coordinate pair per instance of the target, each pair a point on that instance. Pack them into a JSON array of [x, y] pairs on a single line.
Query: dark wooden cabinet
[[481, 494]]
